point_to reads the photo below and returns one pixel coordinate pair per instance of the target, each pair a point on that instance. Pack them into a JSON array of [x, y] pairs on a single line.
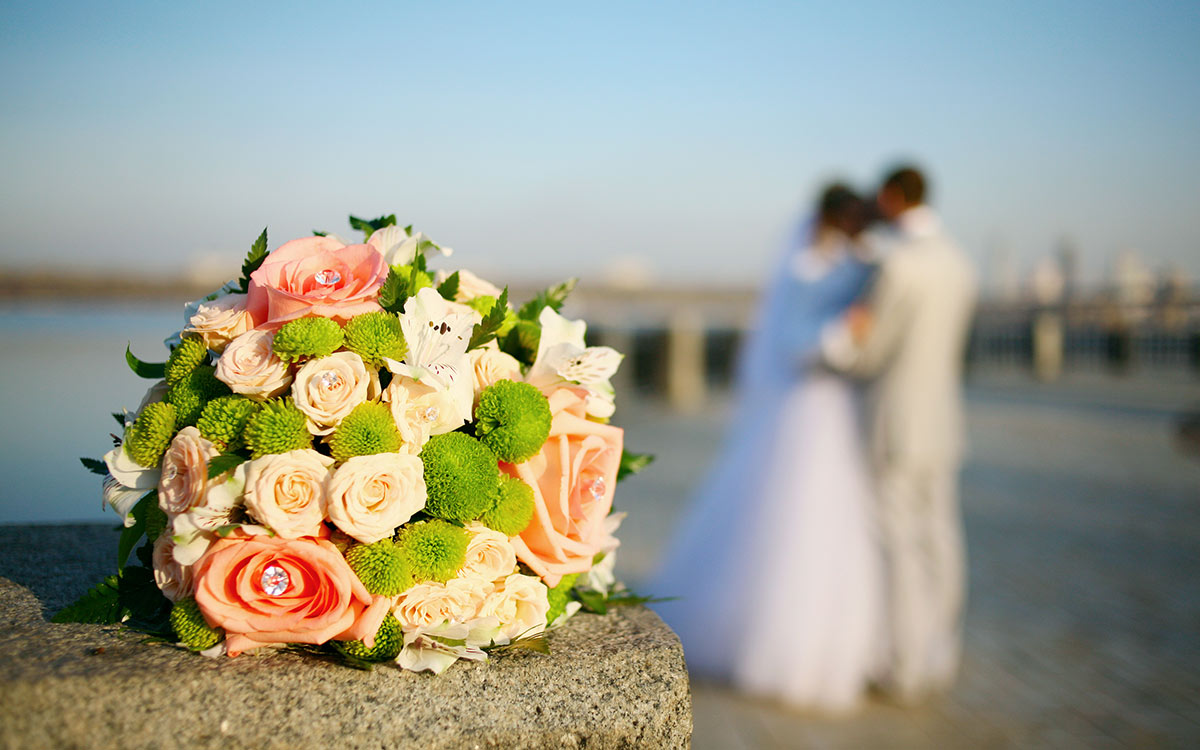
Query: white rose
[[520, 602], [421, 410], [369, 496], [184, 479], [489, 365], [221, 320], [470, 286], [328, 388], [249, 367], [173, 579], [428, 605], [286, 491], [489, 555]]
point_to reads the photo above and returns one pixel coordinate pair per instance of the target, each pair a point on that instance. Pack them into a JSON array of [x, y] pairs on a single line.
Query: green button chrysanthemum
[[191, 393], [278, 427], [148, 437], [513, 419], [382, 567], [559, 596], [513, 509], [190, 354], [461, 476], [423, 279], [365, 431], [224, 419], [435, 549], [307, 337], [388, 642], [190, 626], [374, 336]]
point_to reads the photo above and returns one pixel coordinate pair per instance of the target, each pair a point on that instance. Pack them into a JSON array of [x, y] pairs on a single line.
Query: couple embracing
[[824, 554]]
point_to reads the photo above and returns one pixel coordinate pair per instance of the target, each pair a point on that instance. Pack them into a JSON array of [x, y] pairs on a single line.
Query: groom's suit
[[921, 305]]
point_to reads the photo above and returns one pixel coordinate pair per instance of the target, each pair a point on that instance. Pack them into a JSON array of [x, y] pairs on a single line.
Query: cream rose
[[249, 367], [173, 579], [327, 389], [220, 321], [185, 471], [369, 496], [520, 602], [427, 605], [489, 365], [286, 491], [489, 555], [421, 410]]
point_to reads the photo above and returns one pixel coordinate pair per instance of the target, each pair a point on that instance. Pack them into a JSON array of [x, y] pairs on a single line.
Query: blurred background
[[663, 153]]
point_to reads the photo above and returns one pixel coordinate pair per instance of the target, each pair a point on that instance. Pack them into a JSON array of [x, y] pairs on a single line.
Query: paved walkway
[[1083, 626]]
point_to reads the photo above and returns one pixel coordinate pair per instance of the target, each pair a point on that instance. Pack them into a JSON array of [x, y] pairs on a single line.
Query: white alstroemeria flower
[[563, 357], [194, 531], [127, 482], [399, 248], [601, 577], [437, 333], [435, 649]]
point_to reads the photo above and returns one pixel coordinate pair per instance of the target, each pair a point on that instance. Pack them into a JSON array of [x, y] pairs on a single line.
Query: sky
[[679, 141]]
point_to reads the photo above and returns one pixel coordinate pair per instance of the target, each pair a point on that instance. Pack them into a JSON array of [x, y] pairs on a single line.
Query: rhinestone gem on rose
[[274, 580], [327, 277]]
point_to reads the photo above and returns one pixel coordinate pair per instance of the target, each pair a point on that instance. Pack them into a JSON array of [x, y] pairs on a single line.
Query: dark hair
[[838, 203], [909, 182]]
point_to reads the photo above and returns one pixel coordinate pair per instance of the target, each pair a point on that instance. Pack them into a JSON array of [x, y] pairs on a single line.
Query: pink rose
[[573, 478], [184, 479], [265, 590], [316, 276]]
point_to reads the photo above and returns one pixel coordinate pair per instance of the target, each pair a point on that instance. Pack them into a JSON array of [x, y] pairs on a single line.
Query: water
[[62, 374]]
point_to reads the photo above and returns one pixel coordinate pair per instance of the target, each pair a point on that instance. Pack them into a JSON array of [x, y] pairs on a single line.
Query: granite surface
[[612, 681]]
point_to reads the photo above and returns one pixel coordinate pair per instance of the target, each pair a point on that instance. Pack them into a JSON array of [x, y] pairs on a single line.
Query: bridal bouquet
[[345, 451]]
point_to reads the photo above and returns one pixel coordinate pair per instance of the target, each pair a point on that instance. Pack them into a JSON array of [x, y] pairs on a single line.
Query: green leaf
[[317, 233], [149, 370], [628, 598], [552, 297], [131, 534], [538, 643], [138, 593], [592, 601], [393, 294], [632, 463], [254, 259], [121, 417], [94, 465], [485, 330], [368, 227], [218, 465], [408, 230], [449, 288], [100, 604]]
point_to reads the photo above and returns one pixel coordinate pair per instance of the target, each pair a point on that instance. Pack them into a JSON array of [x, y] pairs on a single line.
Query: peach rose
[[369, 496], [286, 491], [185, 471], [489, 365], [220, 321], [427, 605], [249, 367], [489, 555], [573, 478], [265, 590], [316, 276], [327, 389], [173, 579], [520, 603]]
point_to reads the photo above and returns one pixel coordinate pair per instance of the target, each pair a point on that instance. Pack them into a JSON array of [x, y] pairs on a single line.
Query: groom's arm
[[863, 348]]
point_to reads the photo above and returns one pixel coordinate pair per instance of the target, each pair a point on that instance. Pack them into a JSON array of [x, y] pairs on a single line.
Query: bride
[[776, 571]]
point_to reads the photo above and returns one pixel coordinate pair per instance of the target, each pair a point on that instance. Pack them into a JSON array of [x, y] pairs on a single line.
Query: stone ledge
[[615, 681]]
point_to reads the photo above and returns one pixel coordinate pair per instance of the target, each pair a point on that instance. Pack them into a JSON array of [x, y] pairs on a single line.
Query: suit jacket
[[922, 302]]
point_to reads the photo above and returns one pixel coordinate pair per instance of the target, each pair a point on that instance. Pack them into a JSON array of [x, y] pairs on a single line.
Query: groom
[[908, 340]]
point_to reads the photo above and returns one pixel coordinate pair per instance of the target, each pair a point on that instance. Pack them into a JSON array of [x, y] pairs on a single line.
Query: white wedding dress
[[777, 568]]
